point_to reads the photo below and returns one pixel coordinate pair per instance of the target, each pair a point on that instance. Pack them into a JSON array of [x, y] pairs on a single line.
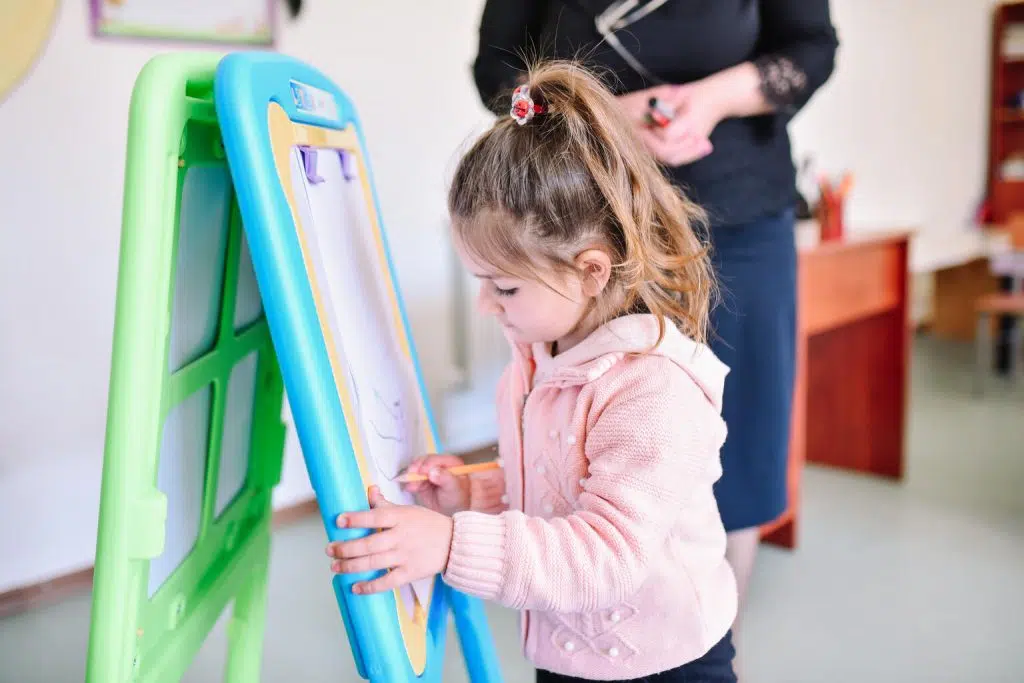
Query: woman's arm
[[796, 56], [507, 37]]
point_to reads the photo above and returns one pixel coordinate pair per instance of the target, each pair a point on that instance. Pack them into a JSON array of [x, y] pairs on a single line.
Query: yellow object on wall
[[25, 27]]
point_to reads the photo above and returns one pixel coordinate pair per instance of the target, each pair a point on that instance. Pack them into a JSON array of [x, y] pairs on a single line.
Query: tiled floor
[[917, 581]]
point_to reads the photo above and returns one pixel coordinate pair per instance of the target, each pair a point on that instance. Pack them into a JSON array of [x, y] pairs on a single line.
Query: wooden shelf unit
[[1006, 121]]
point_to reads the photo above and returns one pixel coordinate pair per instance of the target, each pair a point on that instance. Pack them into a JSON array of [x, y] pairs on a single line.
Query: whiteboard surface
[[180, 475], [248, 304], [237, 436], [199, 263]]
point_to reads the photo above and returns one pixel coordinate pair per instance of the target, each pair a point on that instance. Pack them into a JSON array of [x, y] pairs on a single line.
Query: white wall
[[905, 110]]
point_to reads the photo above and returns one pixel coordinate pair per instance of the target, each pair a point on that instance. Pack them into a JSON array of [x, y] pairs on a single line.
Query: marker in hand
[[658, 114]]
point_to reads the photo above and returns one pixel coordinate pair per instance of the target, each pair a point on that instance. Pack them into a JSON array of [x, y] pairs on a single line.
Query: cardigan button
[[541, 469], [616, 617], [553, 434], [613, 652], [504, 498], [569, 646], [549, 508], [583, 483], [571, 440]]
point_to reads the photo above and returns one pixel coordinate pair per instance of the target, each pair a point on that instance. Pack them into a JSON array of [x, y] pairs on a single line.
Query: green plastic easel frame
[[135, 637]]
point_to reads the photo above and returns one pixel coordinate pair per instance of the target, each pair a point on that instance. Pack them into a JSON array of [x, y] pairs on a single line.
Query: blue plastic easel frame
[[244, 87]]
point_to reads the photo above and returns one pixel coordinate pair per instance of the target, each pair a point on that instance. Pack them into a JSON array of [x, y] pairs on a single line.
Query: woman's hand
[[442, 492], [699, 107], [413, 543], [635, 104], [687, 137]]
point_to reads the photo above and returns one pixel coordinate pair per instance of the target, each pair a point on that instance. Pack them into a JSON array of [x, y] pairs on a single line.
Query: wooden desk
[[852, 360]]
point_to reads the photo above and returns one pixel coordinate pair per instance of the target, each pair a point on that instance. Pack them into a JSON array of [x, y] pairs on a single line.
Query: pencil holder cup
[[830, 219]]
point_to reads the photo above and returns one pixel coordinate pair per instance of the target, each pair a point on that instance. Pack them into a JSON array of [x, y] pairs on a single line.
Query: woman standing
[[731, 74]]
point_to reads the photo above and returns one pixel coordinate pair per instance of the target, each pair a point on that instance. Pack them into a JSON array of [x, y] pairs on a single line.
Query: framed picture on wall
[[236, 22]]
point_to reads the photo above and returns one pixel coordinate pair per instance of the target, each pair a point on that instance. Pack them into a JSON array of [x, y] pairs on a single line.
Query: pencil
[[456, 471]]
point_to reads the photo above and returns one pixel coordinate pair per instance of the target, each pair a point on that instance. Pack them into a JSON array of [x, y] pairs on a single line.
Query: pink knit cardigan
[[608, 537]]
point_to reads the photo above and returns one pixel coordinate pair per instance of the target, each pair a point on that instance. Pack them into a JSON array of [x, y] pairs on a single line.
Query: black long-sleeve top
[[750, 173]]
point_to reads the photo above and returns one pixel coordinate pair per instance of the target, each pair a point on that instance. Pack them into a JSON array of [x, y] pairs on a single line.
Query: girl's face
[[531, 311]]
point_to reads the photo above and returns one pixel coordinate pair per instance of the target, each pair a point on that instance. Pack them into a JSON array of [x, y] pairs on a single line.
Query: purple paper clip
[[309, 164], [347, 168]]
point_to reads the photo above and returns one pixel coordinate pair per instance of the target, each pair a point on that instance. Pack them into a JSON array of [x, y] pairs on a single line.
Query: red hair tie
[[523, 106]]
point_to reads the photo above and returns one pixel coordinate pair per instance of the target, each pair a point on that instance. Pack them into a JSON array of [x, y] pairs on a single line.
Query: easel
[[195, 441]]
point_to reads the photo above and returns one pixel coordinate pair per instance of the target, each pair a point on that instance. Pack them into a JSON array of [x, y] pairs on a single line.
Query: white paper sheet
[[353, 287]]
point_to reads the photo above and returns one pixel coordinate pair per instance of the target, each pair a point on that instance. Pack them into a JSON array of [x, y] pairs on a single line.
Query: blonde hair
[[577, 176]]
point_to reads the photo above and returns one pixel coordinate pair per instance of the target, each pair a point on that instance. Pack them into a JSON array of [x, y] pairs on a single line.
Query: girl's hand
[[413, 543], [442, 492], [487, 492]]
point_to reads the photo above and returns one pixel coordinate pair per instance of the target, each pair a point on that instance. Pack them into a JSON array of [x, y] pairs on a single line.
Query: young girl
[[602, 527]]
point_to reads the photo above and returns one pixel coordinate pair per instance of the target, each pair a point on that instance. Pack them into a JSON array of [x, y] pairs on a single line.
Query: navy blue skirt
[[715, 666], [753, 331]]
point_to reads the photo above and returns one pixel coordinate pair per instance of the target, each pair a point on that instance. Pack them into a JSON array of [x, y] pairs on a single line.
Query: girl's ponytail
[[566, 165]]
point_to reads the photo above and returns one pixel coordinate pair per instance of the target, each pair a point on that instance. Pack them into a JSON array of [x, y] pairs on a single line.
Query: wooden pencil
[[457, 471]]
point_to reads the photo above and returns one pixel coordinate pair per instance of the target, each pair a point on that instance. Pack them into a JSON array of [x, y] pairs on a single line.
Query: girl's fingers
[[440, 461], [441, 478], [424, 464], [416, 467], [368, 545], [375, 518], [368, 563], [389, 581], [377, 499]]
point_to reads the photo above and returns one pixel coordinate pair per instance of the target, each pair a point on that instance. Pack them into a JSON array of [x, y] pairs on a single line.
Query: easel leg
[[475, 639], [245, 632]]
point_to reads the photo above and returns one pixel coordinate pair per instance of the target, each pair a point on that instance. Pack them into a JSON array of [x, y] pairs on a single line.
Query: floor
[[917, 581]]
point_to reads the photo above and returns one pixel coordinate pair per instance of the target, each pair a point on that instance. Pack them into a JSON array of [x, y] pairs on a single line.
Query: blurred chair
[[1008, 304]]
